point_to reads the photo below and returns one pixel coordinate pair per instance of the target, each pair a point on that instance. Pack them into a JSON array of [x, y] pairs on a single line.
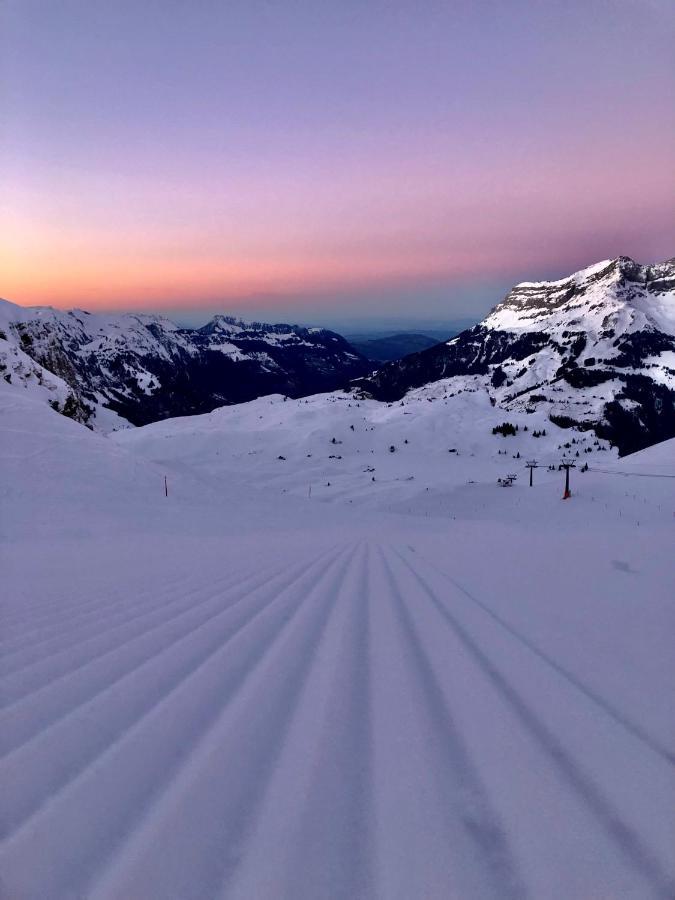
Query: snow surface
[[426, 688], [340, 447]]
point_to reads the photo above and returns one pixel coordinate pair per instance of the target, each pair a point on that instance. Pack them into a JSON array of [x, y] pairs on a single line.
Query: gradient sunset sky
[[331, 162]]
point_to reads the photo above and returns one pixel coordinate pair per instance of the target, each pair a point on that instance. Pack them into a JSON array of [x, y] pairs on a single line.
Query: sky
[[346, 162]]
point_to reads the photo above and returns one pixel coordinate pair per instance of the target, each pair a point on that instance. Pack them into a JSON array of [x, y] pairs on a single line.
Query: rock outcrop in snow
[[144, 368], [595, 350]]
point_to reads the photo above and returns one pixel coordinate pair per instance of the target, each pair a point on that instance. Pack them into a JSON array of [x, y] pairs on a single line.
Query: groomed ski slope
[[233, 694]]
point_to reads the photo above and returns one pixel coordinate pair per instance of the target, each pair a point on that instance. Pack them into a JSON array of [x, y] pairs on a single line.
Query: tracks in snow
[[355, 725]]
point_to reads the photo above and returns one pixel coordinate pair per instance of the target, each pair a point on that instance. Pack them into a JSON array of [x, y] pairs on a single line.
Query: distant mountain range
[[107, 370], [595, 350]]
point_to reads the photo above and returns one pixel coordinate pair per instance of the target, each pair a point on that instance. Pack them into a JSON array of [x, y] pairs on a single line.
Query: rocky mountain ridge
[[137, 369], [595, 350]]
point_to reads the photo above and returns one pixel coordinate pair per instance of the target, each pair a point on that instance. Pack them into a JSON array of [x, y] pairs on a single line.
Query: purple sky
[[329, 161]]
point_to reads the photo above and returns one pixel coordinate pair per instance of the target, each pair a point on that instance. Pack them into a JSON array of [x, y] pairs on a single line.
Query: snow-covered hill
[[595, 350], [422, 454], [396, 688], [143, 368]]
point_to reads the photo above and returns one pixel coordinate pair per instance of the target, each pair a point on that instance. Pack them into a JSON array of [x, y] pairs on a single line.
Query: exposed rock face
[[597, 348], [145, 368]]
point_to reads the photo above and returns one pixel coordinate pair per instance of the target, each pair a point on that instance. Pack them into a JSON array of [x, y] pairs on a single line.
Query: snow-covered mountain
[[141, 368], [595, 350], [316, 667]]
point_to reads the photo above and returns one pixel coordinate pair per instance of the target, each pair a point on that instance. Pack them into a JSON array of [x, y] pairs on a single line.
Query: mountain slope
[[241, 691], [414, 454], [595, 350], [144, 368]]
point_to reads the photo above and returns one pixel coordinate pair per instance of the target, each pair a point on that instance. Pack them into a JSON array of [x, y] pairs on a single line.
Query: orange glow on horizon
[[130, 281]]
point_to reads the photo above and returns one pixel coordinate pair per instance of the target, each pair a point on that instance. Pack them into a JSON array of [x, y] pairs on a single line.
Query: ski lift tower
[[531, 464], [567, 464]]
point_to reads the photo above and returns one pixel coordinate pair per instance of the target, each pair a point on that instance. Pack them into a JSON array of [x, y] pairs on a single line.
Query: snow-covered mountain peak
[[597, 349], [223, 325], [610, 297], [590, 271], [231, 325]]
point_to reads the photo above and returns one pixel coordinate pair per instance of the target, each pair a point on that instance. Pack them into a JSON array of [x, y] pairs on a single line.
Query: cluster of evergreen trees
[[505, 429]]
